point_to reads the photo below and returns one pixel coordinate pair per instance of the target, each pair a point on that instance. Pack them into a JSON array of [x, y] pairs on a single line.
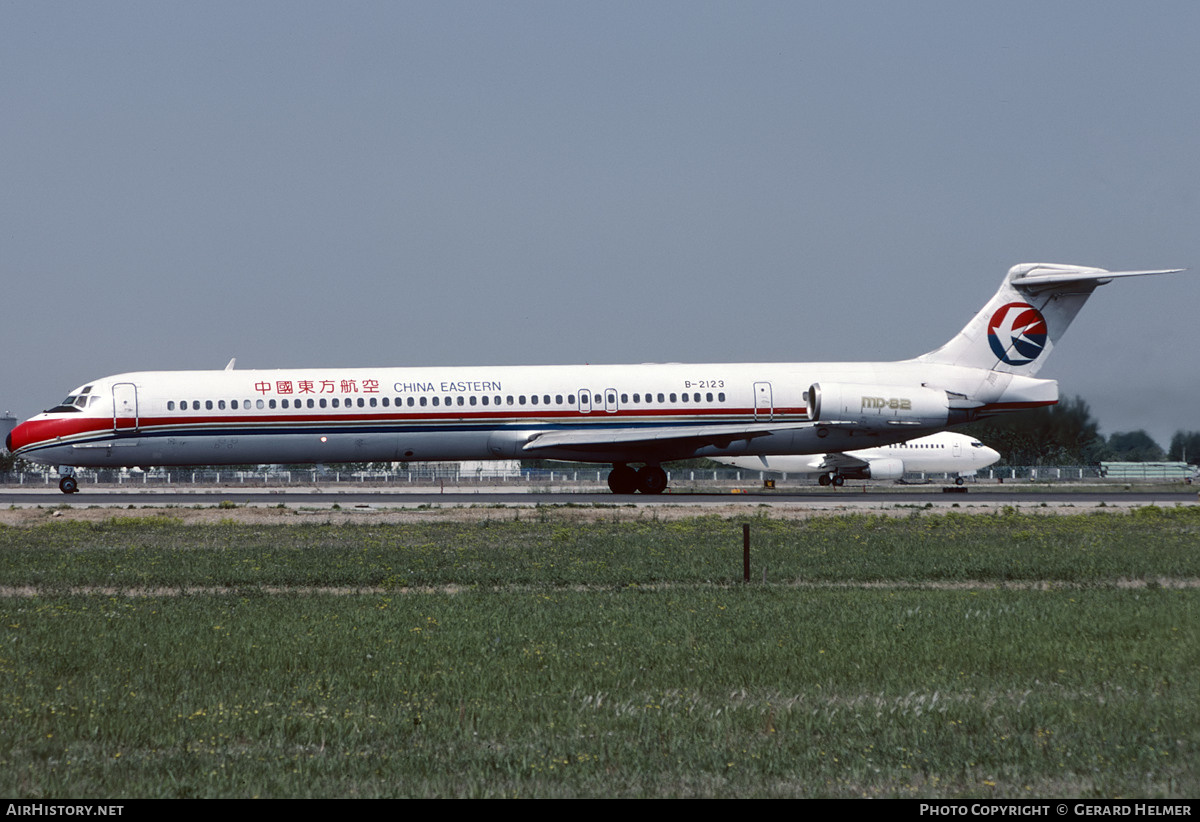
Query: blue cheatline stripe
[[331, 427]]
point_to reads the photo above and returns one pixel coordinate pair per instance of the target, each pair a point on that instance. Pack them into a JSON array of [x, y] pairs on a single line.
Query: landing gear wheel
[[839, 480], [824, 479], [68, 485], [651, 479], [958, 480], [622, 480]]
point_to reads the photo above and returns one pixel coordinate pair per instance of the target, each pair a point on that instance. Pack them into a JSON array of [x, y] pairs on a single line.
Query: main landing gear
[[649, 479], [836, 480]]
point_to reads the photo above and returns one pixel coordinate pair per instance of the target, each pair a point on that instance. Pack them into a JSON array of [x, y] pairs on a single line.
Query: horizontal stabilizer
[[1047, 274]]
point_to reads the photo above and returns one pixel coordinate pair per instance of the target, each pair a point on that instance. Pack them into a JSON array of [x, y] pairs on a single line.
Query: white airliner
[[619, 414], [936, 453]]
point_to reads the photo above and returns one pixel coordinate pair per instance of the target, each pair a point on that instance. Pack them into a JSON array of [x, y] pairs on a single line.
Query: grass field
[[932, 655]]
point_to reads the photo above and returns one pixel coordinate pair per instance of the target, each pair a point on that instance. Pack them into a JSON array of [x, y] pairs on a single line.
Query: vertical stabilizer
[[1015, 332]]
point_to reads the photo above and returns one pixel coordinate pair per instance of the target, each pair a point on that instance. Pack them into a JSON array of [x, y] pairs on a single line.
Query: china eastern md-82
[[625, 415]]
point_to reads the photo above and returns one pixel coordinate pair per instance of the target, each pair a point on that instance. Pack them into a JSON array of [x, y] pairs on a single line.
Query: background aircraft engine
[[882, 407], [886, 469]]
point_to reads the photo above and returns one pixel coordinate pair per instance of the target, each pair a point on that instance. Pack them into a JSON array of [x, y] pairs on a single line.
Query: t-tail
[[1015, 332]]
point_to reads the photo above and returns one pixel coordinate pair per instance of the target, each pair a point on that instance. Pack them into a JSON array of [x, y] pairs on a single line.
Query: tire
[[623, 480], [651, 479]]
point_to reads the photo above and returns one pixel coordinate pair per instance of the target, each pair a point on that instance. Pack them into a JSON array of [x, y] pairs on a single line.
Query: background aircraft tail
[[1015, 332]]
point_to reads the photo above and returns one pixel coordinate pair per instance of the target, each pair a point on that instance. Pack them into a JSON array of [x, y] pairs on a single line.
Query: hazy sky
[[464, 183]]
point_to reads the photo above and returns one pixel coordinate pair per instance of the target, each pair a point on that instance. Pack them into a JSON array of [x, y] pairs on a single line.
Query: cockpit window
[[66, 405], [74, 402]]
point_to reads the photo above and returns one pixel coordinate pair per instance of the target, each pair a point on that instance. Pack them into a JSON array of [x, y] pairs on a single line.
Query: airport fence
[[449, 474]]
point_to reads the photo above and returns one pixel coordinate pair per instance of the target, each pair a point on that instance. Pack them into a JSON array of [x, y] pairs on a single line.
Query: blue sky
[[456, 183]]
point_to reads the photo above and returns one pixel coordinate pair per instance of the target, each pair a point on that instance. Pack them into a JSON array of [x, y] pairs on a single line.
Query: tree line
[[1067, 434]]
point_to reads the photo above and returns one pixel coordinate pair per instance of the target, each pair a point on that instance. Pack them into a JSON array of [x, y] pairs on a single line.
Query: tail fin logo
[[1017, 333]]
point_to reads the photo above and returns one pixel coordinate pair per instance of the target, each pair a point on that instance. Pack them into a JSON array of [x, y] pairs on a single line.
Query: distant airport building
[[7, 423], [1147, 470]]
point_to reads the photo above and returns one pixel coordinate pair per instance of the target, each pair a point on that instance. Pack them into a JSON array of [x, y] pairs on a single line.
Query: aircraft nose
[[11, 443], [17, 438]]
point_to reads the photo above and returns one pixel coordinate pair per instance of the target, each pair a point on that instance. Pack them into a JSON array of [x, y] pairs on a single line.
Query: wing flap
[[624, 437]]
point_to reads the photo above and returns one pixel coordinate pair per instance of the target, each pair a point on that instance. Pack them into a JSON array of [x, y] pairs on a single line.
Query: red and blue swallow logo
[[1017, 333]]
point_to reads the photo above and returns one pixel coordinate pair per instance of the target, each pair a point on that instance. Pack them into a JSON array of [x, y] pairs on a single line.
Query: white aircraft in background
[[937, 453], [619, 414]]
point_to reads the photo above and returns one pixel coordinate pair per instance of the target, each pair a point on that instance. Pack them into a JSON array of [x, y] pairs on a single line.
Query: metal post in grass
[[745, 552]]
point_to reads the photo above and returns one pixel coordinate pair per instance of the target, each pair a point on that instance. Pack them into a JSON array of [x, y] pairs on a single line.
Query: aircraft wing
[[835, 462], [620, 438]]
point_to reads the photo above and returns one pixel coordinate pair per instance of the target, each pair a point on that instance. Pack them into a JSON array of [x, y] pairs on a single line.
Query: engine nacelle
[[888, 469], [880, 407]]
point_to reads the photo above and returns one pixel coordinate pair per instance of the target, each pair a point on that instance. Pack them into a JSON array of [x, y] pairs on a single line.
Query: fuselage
[[429, 414]]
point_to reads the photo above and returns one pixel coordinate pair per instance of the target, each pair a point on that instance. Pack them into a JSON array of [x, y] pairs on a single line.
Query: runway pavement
[[866, 495]]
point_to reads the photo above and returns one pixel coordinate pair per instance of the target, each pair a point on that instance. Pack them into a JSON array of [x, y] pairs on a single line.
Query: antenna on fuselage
[[230, 364]]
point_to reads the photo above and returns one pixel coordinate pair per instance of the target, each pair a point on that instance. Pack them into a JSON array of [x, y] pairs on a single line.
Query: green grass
[[928, 656]]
